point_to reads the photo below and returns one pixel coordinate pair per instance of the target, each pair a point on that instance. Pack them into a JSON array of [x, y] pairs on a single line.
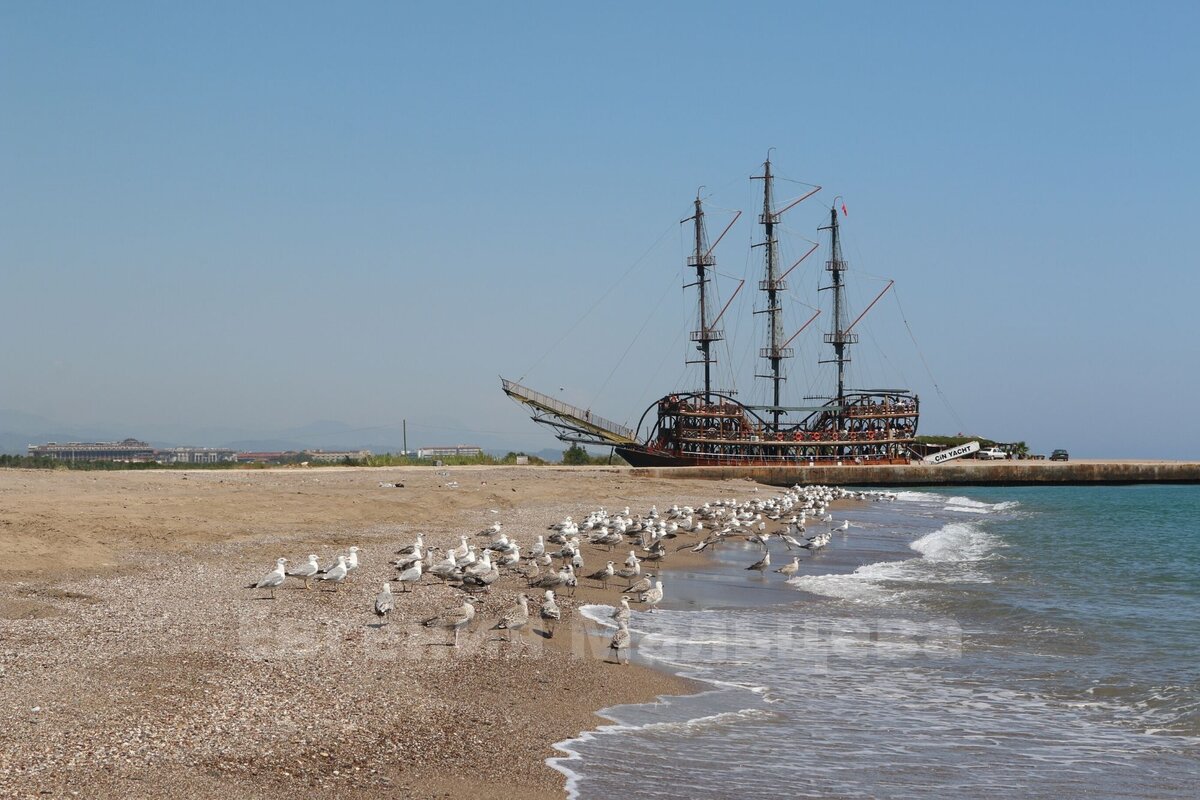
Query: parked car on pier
[[992, 453], [1060, 455]]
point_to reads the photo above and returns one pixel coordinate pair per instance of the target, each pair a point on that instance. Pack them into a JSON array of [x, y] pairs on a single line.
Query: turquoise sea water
[[1017, 642]]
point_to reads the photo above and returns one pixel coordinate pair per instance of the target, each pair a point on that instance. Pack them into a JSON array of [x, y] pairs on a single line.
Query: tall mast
[[773, 285], [703, 260], [839, 337]]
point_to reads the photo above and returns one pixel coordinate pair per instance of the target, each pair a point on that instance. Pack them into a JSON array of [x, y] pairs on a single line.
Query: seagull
[[622, 614], [336, 574], [272, 579], [654, 596], [307, 570], [641, 586], [790, 569], [620, 641], [629, 573], [352, 560], [515, 617], [762, 563], [410, 576], [412, 548], [384, 602], [446, 568], [406, 561], [603, 575], [457, 618], [550, 613]]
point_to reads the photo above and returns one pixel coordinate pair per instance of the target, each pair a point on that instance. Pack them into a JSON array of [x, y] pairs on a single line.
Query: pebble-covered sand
[[135, 663]]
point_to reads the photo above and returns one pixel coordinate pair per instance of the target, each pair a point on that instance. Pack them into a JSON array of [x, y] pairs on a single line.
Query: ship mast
[[703, 261], [840, 336], [773, 285]]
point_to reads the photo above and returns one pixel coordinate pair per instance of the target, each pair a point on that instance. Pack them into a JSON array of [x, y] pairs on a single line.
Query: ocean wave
[[967, 505], [956, 541]]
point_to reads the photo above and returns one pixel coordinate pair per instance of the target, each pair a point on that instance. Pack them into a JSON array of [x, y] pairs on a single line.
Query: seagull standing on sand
[[515, 617], [410, 576], [337, 574], [384, 602], [352, 559], [641, 586], [457, 618], [272, 579], [603, 575], [307, 570]]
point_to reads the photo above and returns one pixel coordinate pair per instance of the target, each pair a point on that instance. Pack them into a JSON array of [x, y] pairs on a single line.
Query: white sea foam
[[969, 506], [956, 541]]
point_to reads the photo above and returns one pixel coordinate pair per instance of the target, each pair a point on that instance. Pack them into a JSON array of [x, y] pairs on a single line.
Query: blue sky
[[254, 216]]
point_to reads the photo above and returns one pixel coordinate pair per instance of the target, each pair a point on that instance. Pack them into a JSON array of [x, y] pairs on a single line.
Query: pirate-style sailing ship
[[710, 427]]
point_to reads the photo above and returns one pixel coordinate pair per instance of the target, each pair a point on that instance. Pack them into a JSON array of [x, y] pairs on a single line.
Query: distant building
[[196, 455], [456, 450], [337, 455], [125, 450], [267, 457]]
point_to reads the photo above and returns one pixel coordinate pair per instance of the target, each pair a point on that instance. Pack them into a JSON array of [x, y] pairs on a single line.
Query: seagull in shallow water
[[384, 602], [762, 563], [457, 618], [620, 641], [790, 569], [550, 613], [272, 579], [621, 615]]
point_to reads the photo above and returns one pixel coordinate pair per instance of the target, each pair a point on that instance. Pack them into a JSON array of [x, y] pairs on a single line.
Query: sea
[[977, 642]]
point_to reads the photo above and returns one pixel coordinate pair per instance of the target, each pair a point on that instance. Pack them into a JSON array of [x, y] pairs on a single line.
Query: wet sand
[[133, 662]]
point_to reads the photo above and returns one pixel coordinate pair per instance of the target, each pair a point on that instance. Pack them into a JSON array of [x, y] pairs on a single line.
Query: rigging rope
[[596, 304], [636, 336], [928, 371]]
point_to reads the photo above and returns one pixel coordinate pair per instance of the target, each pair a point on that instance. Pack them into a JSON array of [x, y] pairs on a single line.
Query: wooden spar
[[797, 202], [793, 266], [741, 283], [868, 308], [722, 236], [802, 327]]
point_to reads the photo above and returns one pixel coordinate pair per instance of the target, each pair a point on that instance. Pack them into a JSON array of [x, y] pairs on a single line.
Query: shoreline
[[962, 472], [127, 628]]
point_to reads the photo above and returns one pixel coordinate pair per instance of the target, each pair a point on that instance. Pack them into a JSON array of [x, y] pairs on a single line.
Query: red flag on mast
[[845, 213]]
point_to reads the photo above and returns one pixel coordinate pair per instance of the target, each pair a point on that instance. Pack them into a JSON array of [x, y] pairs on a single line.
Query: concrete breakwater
[[958, 473]]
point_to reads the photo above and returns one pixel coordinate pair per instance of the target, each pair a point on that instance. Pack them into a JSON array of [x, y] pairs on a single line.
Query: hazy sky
[[257, 215]]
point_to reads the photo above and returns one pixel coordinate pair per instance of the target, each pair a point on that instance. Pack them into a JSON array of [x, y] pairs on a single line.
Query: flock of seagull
[[554, 562]]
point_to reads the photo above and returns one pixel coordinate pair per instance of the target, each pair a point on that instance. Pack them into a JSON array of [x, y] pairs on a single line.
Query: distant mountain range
[[19, 429]]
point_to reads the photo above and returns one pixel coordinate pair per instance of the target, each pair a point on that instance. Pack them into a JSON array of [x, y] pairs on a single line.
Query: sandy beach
[[134, 662]]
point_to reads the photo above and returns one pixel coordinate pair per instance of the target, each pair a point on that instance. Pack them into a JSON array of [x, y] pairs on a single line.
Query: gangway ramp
[[571, 423]]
